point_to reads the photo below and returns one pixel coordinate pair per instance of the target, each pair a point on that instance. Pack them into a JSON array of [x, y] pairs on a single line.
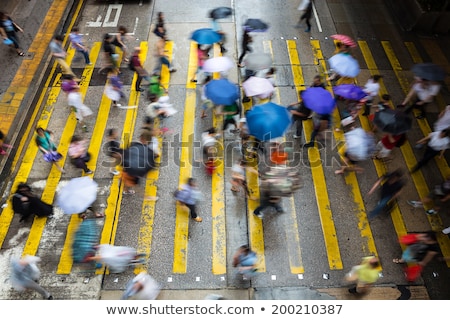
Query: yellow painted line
[[186, 158], [419, 181], [148, 207], [323, 202]]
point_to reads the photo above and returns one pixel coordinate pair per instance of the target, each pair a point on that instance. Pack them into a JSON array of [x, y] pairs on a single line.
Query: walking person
[[113, 88], [387, 143], [245, 47], [371, 88], [25, 274], [3, 145], [245, 260], [436, 143], [321, 123], [76, 39], [436, 197], [364, 275], [268, 201], [215, 25], [160, 29], [119, 41], [8, 29], [424, 92], [136, 66], [60, 55], [44, 140], [27, 204], [188, 195], [109, 54], [391, 185], [307, 14], [113, 150], [78, 154], [162, 58], [75, 100], [299, 113], [202, 56]]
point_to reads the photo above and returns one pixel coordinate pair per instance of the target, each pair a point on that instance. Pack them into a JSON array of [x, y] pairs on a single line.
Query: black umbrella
[[255, 25], [392, 121], [220, 13], [429, 71], [138, 160]]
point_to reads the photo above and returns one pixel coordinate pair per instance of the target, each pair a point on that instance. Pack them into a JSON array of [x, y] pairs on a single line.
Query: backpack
[[401, 141]]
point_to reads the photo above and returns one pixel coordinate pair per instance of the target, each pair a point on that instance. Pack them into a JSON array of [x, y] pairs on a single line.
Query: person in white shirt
[[443, 121], [425, 91], [437, 143], [371, 88]]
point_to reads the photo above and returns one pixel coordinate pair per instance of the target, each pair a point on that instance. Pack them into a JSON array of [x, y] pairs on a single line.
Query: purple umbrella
[[349, 91], [318, 100]]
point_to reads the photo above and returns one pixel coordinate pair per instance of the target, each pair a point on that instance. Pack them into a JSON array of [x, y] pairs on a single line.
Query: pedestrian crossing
[[321, 184]]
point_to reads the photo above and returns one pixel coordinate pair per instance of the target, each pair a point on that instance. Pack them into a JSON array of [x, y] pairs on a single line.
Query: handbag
[[7, 41], [52, 156], [413, 272]]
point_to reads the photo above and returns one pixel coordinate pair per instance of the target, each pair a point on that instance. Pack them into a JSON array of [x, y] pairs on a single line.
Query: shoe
[[446, 230], [296, 136], [198, 219], [89, 172], [140, 90], [50, 297], [260, 215], [431, 211], [307, 29], [281, 211], [114, 172], [172, 70], [421, 116], [415, 204], [193, 80], [21, 54], [89, 64], [308, 145], [118, 105], [129, 192], [352, 290], [246, 99]]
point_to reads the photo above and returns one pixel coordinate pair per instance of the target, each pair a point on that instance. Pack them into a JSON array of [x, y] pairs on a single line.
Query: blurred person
[[443, 121], [162, 58], [3, 145], [119, 41], [155, 87], [371, 88], [188, 195], [114, 150], [267, 201], [202, 56], [206, 103], [116, 258], [27, 204], [215, 25], [109, 54], [136, 66], [299, 113], [8, 29], [78, 153], [75, 100], [436, 143], [25, 274], [391, 185], [238, 174], [387, 143], [60, 55], [317, 82], [160, 29], [141, 287], [365, 275], [76, 39], [321, 123], [245, 47], [307, 14], [245, 260], [424, 92], [44, 141], [114, 88], [437, 196]]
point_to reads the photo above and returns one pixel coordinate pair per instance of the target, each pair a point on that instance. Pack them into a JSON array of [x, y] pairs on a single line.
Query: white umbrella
[[360, 144], [344, 65], [141, 287], [77, 195], [218, 64], [257, 86]]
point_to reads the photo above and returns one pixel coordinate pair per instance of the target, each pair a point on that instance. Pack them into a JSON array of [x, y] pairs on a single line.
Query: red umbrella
[[345, 40]]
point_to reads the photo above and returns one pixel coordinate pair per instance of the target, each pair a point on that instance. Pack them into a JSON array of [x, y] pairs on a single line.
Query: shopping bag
[[413, 272]]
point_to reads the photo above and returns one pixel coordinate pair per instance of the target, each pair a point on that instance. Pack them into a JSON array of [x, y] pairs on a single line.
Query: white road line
[[319, 26]]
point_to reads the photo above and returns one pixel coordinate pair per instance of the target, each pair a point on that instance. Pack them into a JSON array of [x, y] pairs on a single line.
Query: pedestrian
[[202, 56], [267, 201], [371, 88], [391, 185], [27, 204], [3, 145], [116, 258], [75, 100], [160, 29], [299, 113], [188, 195], [321, 122], [25, 275], [424, 92], [238, 181], [436, 143], [141, 287], [229, 113], [114, 88], [110, 56], [154, 109], [44, 140], [119, 41], [307, 14], [436, 197], [206, 103], [155, 87], [137, 67], [8, 29], [317, 82], [364, 275], [210, 146], [387, 143], [245, 47], [60, 55], [162, 58], [78, 153], [113, 150], [76, 39], [245, 260], [443, 121], [215, 25]]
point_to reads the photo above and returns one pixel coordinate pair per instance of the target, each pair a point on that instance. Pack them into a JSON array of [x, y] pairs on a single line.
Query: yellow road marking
[[186, 158]]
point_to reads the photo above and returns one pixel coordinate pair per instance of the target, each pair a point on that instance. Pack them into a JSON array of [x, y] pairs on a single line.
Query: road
[[324, 231]]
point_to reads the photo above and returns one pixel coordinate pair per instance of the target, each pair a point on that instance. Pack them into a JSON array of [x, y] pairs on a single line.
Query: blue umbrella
[[255, 25], [206, 36], [349, 91], [222, 92], [344, 65], [220, 13], [318, 100], [268, 121]]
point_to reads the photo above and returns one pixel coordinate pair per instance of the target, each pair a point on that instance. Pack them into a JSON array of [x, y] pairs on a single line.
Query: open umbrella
[[429, 71], [258, 61], [344, 65], [257, 86], [344, 39], [255, 25], [392, 121], [206, 36], [359, 144], [220, 12], [78, 195], [222, 92], [268, 121], [349, 91], [318, 100], [138, 160], [218, 64]]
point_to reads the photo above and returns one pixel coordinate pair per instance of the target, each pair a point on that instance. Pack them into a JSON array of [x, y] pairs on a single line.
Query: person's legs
[[34, 286], [380, 206], [86, 56], [65, 67], [137, 86], [428, 155]]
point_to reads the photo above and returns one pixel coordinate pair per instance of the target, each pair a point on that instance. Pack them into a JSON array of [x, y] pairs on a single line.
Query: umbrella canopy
[[255, 25], [138, 160], [318, 100], [222, 92], [344, 39], [349, 91], [268, 121], [257, 86], [220, 13], [218, 64], [360, 144], [206, 36], [429, 71], [258, 61], [392, 121], [78, 195], [344, 64]]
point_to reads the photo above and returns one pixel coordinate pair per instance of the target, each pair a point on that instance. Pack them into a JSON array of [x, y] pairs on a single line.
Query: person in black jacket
[[26, 203]]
